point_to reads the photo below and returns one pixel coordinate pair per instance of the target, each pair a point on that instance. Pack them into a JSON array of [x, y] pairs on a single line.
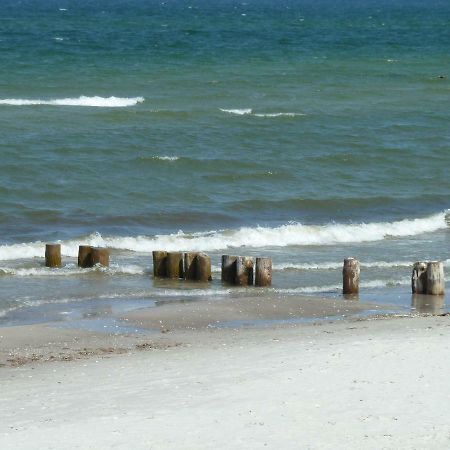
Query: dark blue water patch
[[218, 31], [19, 228], [343, 209]]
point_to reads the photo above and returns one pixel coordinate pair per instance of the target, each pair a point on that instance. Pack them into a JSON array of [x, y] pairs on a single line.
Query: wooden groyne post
[[263, 273], [175, 267], [350, 275], [244, 271], [190, 266], [85, 256], [53, 255], [419, 278], [203, 267], [197, 267], [435, 278], [159, 264], [100, 255], [228, 268]]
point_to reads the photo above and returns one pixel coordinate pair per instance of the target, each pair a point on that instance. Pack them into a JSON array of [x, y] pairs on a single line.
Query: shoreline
[[106, 330]]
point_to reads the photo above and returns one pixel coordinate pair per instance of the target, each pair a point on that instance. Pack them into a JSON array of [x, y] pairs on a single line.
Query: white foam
[[249, 111], [308, 289], [22, 251], [373, 284], [293, 234], [167, 158], [238, 112], [338, 265], [71, 270], [99, 102], [279, 114]]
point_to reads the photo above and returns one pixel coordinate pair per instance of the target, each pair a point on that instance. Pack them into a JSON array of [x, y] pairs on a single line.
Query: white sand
[[349, 385]]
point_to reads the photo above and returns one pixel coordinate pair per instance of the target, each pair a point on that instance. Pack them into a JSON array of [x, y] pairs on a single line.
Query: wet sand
[[246, 312], [108, 330]]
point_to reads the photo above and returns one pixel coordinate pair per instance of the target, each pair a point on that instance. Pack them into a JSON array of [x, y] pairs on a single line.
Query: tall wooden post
[[419, 278], [350, 275], [190, 266], [175, 265], [263, 275], [435, 278], [100, 256], [53, 255], [228, 268], [203, 269], [159, 264], [85, 256], [244, 271]]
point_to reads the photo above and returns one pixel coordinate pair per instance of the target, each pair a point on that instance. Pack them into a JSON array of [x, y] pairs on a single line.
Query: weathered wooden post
[[175, 265], [100, 255], [53, 255], [190, 266], [228, 268], [419, 278], [435, 278], [159, 264], [85, 256], [203, 267], [263, 273], [350, 275], [244, 271]]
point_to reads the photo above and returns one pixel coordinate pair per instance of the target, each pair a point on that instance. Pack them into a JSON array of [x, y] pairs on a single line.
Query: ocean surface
[[307, 131]]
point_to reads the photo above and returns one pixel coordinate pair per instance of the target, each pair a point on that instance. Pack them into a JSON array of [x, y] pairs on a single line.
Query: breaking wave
[[237, 112], [99, 102], [249, 111], [293, 234], [166, 158], [72, 269]]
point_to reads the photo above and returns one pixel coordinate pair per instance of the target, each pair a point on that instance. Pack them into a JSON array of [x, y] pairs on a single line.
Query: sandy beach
[[379, 382]]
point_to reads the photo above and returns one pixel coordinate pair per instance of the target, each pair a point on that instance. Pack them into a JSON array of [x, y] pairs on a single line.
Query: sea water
[[306, 131]]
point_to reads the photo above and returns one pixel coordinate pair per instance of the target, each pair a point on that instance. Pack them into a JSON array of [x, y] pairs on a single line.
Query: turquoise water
[[306, 131]]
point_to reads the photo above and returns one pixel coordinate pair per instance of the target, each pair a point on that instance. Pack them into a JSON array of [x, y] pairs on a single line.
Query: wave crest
[[71, 270], [294, 234], [249, 111], [96, 101]]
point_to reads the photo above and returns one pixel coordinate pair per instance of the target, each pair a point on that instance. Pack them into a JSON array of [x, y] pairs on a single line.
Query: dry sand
[[347, 384]]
